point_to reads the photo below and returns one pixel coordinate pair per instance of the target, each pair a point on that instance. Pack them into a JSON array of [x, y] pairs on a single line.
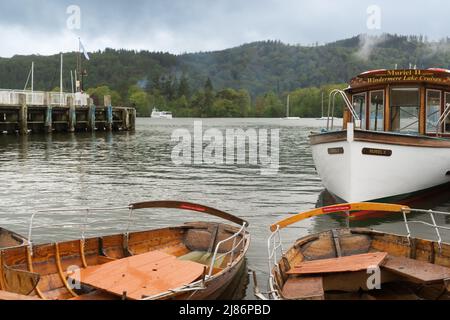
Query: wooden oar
[[383, 207], [189, 206]]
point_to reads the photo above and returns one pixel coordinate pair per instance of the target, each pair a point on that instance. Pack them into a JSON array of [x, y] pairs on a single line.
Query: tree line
[[176, 95]]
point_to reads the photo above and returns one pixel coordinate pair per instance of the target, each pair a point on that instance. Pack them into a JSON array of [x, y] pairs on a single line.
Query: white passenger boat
[[395, 140], [156, 114]]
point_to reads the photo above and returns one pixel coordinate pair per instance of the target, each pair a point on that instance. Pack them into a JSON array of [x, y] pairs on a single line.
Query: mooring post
[[49, 119], [48, 114], [109, 113], [91, 115], [23, 114], [133, 120], [126, 119], [72, 114]]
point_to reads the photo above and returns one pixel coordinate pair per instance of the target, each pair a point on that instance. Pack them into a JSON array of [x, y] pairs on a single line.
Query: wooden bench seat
[[416, 271], [304, 288], [147, 274], [352, 263], [8, 296]]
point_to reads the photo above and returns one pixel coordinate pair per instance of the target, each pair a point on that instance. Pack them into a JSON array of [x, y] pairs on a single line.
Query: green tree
[[98, 94], [139, 99], [184, 88]]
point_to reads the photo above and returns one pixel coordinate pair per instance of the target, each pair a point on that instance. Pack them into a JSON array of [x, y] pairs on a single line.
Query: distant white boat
[[287, 111], [326, 118], [156, 114]]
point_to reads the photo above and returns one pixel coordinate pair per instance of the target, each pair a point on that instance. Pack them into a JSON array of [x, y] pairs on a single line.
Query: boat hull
[[361, 166], [411, 254]]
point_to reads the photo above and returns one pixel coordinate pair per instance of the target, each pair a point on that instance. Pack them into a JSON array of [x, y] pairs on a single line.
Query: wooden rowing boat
[[359, 264], [193, 261], [10, 239]]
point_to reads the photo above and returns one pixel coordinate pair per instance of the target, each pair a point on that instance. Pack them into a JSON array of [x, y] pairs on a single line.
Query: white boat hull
[[357, 177]]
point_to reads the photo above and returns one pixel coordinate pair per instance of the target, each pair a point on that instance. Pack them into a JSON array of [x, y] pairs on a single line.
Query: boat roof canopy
[[384, 77]]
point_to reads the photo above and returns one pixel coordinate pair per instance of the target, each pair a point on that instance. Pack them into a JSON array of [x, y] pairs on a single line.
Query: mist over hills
[[258, 68]]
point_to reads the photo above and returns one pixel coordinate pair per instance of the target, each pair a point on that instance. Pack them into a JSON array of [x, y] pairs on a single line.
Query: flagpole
[[61, 82], [32, 77], [81, 64], [71, 81]]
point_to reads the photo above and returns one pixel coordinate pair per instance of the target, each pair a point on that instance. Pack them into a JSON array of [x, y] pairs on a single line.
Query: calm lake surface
[[40, 172]]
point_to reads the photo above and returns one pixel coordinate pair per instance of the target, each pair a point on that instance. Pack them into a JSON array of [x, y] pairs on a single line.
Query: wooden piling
[[72, 115], [125, 119], [91, 115], [23, 114], [49, 119], [109, 113]]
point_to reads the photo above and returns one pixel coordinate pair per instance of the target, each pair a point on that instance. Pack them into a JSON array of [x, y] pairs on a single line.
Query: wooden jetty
[[26, 112]]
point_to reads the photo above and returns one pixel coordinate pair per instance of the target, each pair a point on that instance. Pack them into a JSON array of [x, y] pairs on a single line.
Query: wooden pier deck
[[25, 112]]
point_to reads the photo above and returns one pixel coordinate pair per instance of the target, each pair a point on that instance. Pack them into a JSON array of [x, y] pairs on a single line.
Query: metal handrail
[[243, 232], [442, 119], [200, 284], [433, 223], [332, 104], [82, 225]]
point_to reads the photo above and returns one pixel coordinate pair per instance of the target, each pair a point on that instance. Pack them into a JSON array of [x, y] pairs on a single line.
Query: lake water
[[40, 172]]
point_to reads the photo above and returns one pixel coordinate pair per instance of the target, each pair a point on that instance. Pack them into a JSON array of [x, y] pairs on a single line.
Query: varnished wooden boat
[[9, 239], [193, 261], [359, 264]]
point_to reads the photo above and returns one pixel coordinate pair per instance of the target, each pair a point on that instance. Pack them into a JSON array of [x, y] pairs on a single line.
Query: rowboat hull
[[330, 266], [370, 166], [196, 260], [10, 239]]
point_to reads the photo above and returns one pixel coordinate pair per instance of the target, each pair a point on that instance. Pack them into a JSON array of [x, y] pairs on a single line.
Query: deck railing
[[242, 234], [38, 98], [332, 106]]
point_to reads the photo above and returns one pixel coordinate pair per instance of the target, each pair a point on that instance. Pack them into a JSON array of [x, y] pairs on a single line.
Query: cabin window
[[433, 110], [359, 104], [405, 106], [377, 110]]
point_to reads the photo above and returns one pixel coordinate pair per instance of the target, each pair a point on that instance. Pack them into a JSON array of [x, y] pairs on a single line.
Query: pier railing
[[41, 98]]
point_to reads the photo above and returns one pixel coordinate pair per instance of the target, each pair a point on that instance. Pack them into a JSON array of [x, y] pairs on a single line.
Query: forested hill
[[258, 68]]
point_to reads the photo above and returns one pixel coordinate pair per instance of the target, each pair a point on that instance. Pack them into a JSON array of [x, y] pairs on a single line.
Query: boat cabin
[[401, 101]]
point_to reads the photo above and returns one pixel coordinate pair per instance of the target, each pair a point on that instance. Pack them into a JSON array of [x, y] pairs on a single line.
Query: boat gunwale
[[381, 138]]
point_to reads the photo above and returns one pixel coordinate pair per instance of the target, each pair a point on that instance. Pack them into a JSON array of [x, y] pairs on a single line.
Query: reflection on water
[[115, 169]]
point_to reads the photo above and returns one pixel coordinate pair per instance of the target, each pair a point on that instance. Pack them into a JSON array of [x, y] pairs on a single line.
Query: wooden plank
[[304, 288], [343, 264], [147, 274], [8, 296], [95, 295], [418, 271]]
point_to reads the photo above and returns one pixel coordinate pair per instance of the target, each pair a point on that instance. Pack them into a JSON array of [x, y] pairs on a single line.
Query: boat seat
[[353, 263], [304, 288], [417, 271], [9, 296], [142, 275], [202, 257]]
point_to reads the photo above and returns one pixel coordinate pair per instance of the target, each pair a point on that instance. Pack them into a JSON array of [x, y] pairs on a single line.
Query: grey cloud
[[197, 25]]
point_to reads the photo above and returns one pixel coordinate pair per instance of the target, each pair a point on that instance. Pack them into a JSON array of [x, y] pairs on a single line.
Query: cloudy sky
[[177, 26]]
